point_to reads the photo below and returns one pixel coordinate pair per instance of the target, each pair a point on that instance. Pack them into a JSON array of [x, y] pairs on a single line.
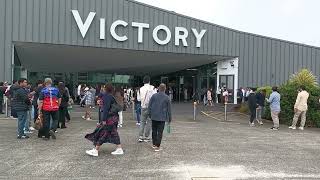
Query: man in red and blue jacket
[[49, 102]]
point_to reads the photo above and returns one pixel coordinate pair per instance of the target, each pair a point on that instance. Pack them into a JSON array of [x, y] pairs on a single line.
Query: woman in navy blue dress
[[107, 130]]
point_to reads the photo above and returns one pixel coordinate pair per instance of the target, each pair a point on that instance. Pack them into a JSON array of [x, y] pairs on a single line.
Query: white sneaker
[[118, 151], [83, 117], [251, 124], [260, 122], [89, 119], [28, 132], [157, 149], [92, 152], [292, 127], [138, 124], [301, 128], [32, 129]]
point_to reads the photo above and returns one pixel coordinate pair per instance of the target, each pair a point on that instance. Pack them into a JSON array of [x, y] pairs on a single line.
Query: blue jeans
[[138, 111], [27, 125], [22, 118]]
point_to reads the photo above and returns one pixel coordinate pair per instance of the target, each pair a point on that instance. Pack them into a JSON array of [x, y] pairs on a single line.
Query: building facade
[[36, 35]]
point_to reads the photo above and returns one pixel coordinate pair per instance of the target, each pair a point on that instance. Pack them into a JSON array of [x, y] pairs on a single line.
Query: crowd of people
[[28, 102], [49, 103], [257, 100]]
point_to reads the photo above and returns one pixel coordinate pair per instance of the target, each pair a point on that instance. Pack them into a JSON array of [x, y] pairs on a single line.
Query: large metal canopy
[[36, 57]]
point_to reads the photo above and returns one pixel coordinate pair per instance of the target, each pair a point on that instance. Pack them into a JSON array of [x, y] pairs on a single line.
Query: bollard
[[225, 111], [225, 108], [6, 105], [194, 110]]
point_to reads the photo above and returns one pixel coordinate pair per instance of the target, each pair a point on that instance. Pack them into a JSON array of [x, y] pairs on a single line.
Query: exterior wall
[[262, 60]]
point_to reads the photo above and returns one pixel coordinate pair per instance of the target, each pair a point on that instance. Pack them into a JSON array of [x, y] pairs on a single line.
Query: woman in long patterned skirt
[[107, 130]]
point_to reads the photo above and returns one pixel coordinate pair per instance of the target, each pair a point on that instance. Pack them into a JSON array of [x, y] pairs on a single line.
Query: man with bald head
[[160, 113]]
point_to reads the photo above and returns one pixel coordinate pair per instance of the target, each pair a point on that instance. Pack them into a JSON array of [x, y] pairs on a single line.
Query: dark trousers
[[1, 101], [47, 115], [252, 114], [35, 113], [68, 115], [62, 117], [157, 131]]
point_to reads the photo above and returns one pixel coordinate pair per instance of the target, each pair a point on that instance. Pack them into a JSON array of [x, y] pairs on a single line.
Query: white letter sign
[[198, 36], [83, 27], [113, 30], [140, 27], [155, 34], [182, 37]]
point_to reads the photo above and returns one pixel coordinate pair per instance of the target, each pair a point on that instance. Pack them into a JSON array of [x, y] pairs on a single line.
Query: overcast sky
[[293, 20]]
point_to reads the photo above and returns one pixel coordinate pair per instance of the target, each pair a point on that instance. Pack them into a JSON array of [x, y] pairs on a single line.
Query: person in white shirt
[[146, 92]]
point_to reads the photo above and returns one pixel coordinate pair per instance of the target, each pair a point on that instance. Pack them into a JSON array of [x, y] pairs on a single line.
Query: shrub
[[289, 94], [267, 88]]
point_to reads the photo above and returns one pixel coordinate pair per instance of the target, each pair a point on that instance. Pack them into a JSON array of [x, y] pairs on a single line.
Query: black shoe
[[52, 134]]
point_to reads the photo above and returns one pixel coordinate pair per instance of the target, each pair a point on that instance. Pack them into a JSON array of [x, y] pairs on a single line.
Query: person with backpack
[[107, 130], [20, 105], [49, 103], [146, 93], [63, 105], [36, 95]]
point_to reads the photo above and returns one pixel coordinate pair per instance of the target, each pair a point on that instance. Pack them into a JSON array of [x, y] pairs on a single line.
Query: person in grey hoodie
[[160, 112]]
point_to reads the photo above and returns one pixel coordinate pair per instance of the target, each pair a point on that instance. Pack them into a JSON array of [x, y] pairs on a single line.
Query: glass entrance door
[[227, 81]]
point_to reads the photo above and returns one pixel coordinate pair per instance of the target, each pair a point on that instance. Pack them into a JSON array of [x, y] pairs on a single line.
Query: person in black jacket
[[37, 90], [2, 92], [63, 106], [20, 105], [252, 103], [261, 96]]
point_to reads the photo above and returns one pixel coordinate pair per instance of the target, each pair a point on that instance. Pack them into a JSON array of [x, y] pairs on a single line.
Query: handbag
[[115, 107], [39, 122]]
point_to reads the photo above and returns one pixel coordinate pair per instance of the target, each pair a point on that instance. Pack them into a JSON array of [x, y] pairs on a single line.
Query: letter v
[[83, 27]]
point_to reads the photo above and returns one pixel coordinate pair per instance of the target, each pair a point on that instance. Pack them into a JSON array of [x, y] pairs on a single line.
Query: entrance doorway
[[227, 81]]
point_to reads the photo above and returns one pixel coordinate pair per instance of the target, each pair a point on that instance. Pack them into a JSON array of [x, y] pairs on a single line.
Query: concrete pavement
[[202, 149]]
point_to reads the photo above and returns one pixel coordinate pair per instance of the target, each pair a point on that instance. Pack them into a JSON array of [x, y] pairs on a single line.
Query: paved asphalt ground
[[203, 149]]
